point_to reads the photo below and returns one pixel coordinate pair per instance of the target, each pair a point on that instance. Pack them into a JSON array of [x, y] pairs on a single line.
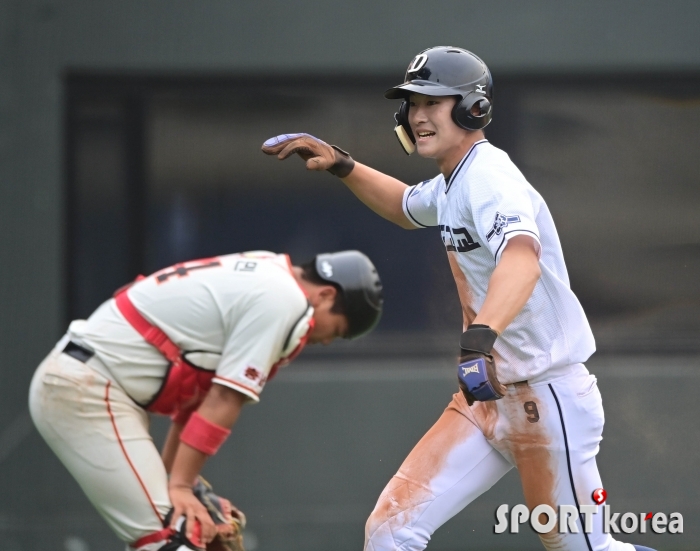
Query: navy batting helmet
[[359, 285], [446, 71]]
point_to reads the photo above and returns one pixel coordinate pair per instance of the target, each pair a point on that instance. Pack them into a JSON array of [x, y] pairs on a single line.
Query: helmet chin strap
[[404, 139]]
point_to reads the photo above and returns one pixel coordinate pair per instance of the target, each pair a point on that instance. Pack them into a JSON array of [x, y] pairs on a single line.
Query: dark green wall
[[308, 463], [40, 40]]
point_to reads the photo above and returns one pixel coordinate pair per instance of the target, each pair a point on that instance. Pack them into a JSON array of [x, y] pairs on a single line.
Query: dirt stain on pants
[[512, 429], [409, 491]]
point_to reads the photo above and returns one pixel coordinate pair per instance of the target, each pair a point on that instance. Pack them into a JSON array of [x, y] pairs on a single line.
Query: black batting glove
[[318, 154], [477, 369]]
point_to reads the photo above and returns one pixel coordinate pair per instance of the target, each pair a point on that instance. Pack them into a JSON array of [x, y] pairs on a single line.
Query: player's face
[[430, 118], [328, 325], [328, 328]]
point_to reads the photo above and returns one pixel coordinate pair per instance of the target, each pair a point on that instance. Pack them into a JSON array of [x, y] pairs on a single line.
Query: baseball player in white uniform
[[526, 400], [194, 341]]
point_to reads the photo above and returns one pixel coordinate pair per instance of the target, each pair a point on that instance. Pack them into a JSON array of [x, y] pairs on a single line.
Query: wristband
[[203, 435]]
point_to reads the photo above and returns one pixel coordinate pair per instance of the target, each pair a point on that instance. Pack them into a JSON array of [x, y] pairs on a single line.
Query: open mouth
[[425, 134]]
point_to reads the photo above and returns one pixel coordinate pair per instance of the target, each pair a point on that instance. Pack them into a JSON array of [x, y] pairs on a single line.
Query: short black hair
[[310, 274]]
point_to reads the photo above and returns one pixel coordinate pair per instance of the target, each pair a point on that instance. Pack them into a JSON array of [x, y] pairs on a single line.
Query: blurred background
[[129, 140]]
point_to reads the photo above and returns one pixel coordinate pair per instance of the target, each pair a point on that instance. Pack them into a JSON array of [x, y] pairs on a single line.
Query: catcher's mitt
[[229, 521]]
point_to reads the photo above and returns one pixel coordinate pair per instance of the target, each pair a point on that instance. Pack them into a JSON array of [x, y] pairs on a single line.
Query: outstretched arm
[[380, 192]]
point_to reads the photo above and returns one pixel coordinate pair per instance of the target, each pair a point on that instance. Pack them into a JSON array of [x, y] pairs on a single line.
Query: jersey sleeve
[[420, 203], [259, 339], [502, 207]]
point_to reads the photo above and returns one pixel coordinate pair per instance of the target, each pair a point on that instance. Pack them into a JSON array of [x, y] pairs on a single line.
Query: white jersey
[[485, 202], [238, 315]]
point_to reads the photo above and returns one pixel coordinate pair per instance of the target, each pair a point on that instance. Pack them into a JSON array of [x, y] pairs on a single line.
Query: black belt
[[78, 352]]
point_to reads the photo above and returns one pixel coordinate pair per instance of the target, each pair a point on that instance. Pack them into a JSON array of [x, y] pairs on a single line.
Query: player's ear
[[323, 294], [328, 292]]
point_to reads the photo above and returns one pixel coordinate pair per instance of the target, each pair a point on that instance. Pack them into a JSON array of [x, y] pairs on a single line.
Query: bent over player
[[526, 400], [194, 341]]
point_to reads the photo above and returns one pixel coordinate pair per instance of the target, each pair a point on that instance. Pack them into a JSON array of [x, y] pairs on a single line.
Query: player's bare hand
[[318, 154], [185, 503]]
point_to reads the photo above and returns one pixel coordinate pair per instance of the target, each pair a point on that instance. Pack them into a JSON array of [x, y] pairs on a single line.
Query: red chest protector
[[184, 386]]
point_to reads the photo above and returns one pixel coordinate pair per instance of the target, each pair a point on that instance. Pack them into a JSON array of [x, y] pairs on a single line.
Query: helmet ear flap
[[403, 129], [474, 112]]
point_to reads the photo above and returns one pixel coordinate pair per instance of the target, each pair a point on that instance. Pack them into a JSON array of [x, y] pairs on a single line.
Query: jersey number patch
[[183, 270], [532, 414]]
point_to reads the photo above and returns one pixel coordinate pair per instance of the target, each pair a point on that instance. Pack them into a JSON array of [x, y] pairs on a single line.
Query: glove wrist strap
[[478, 338], [344, 163]]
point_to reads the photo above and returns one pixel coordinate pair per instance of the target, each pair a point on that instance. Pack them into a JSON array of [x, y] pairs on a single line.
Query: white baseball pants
[[550, 431], [102, 438]]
